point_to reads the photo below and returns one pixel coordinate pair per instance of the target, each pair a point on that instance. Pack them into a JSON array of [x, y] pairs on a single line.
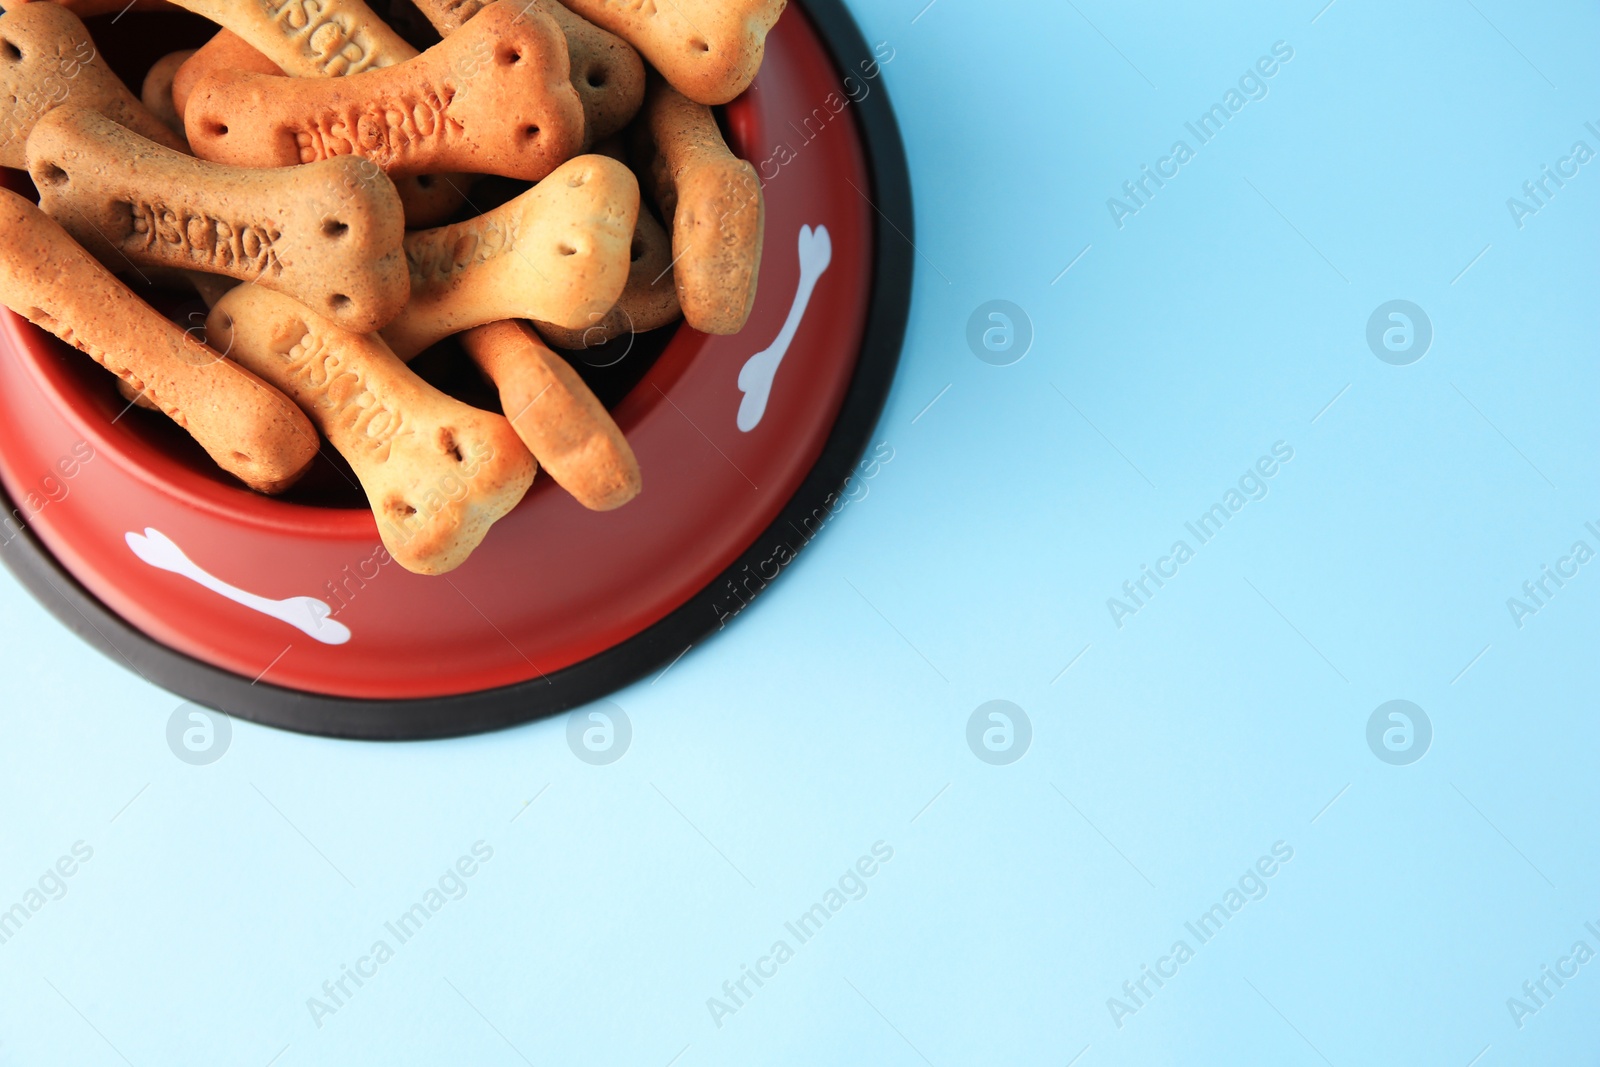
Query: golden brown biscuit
[[649, 302], [710, 50], [558, 252], [328, 234], [714, 205], [225, 51], [156, 92], [250, 429], [429, 199], [557, 416], [437, 472], [209, 287], [494, 98], [607, 73], [310, 38], [47, 59]]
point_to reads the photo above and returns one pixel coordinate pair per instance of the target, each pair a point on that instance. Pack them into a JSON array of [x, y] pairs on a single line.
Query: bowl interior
[[130, 45], [560, 605]]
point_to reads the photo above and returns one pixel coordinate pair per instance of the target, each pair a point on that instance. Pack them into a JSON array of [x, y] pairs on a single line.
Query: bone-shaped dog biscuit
[[310, 38], [493, 98], [607, 73], [248, 427], [649, 302], [225, 51], [429, 199], [710, 50], [558, 253], [714, 204], [437, 472], [47, 59], [156, 91], [328, 234], [557, 416]]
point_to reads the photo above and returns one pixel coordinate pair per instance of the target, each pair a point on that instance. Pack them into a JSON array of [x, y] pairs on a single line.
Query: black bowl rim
[[654, 649]]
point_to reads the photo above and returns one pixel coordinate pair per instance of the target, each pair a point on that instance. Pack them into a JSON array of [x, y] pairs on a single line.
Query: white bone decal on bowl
[[306, 614], [758, 375]]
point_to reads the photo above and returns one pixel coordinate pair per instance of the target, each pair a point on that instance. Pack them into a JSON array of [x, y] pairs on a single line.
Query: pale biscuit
[[558, 252], [649, 302], [310, 38], [710, 50], [493, 98], [250, 429], [156, 92], [47, 59], [429, 199], [714, 204], [328, 234], [557, 416], [437, 472]]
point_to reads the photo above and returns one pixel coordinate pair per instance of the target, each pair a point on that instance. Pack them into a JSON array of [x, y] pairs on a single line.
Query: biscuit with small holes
[[557, 253], [438, 473], [714, 204], [249, 428], [493, 98], [710, 50], [327, 233], [47, 60]]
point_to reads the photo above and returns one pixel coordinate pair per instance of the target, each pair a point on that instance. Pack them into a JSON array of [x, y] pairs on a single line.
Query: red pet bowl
[[284, 612]]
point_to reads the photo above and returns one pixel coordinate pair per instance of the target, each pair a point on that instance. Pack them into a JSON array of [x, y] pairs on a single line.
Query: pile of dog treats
[[298, 172]]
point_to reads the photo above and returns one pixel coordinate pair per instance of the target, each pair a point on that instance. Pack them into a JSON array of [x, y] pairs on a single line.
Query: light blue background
[[1229, 714]]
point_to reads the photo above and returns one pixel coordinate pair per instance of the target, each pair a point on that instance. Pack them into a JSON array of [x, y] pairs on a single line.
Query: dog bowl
[[122, 528]]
